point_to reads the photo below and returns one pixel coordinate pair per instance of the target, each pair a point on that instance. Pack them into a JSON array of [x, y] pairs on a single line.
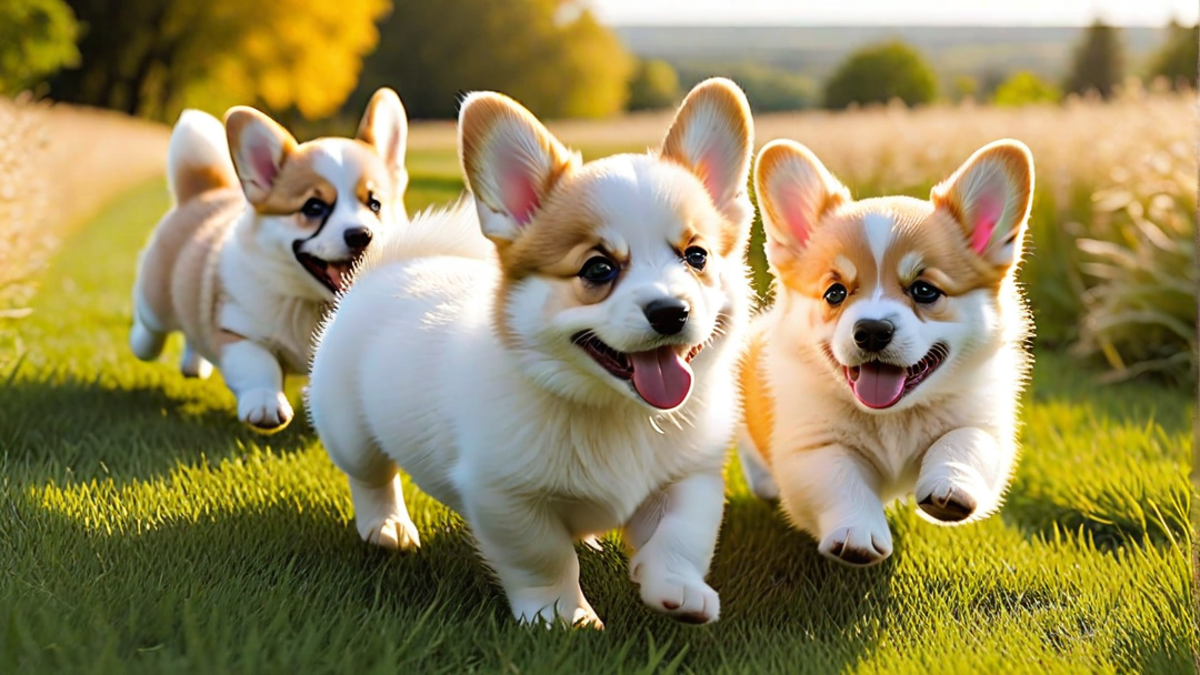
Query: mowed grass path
[[143, 530]]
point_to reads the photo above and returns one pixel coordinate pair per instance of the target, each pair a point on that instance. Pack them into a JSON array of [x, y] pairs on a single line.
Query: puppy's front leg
[[675, 534], [963, 476], [256, 378], [830, 492], [533, 556]]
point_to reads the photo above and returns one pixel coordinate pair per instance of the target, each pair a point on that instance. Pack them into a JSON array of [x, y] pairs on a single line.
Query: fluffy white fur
[[833, 462], [526, 437]]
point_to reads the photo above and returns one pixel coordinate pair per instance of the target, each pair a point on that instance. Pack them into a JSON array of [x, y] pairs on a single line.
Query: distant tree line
[[307, 60]]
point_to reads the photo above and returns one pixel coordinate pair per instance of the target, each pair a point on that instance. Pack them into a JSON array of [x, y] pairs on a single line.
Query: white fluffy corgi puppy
[[893, 358], [257, 245], [582, 379]]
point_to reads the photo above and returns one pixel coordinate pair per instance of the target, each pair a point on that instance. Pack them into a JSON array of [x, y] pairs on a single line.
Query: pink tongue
[[879, 385], [661, 377]]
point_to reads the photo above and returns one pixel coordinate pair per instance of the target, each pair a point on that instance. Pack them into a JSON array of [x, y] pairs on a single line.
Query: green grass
[[143, 530]]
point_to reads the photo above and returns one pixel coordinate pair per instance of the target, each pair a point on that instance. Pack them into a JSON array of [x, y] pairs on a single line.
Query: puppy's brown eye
[[696, 257], [835, 295], [924, 292], [598, 270], [314, 208], [374, 204]]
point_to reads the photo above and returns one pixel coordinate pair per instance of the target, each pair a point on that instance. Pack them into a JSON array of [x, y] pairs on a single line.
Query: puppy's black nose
[[667, 316], [872, 335], [357, 237]]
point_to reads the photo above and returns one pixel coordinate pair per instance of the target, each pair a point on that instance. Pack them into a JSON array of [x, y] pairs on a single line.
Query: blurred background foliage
[[311, 61]]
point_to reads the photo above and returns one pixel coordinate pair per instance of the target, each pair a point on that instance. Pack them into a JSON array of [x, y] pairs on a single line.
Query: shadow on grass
[[246, 581], [93, 429]]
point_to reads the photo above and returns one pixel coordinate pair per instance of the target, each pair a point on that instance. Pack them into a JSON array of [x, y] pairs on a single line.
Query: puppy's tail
[[198, 157]]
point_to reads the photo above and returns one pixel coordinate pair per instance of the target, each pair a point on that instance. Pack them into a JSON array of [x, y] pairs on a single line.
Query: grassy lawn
[[143, 530]]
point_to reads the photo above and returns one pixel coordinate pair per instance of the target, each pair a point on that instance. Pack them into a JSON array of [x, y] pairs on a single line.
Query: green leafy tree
[[965, 86], [768, 89], [155, 57], [880, 72], [655, 85], [1099, 63], [1025, 88], [551, 55], [1177, 59], [37, 38]]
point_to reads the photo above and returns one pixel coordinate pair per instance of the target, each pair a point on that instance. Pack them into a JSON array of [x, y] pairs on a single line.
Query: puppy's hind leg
[[146, 339], [194, 365], [755, 470], [379, 511]]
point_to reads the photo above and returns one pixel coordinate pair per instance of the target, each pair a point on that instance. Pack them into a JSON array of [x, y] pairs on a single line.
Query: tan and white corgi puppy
[[258, 244], [893, 358], [580, 380]]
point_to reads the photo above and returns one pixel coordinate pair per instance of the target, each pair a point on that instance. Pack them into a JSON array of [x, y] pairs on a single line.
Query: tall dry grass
[[58, 165]]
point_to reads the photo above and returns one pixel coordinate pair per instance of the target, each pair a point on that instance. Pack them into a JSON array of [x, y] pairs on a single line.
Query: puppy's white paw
[[195, 366], [686, 598], [396, 533], [534, 610], [264, 410], [947, 500], [859, 544]]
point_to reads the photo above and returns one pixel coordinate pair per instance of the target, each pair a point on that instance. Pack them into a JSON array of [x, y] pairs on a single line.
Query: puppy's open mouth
[[333, 274], [879, 385], [662, 376]]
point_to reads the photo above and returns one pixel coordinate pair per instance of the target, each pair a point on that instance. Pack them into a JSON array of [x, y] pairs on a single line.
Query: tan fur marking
[[192, 181], [758, 399], [297, 182]]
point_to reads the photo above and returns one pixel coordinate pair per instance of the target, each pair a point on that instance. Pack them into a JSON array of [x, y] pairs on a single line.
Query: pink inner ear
[[796, 224], [262, 161], [795, 209], [985, 214], [714, 182], [517, 190]]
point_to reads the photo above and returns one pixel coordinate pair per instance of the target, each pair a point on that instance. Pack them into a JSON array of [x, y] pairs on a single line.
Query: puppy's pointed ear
[[713, 137], [794, 191], [990, 196], [510, 162], [259, 147], [385, 126]]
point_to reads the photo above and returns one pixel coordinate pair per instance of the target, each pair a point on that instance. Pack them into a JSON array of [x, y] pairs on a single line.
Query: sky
[[895, 12]]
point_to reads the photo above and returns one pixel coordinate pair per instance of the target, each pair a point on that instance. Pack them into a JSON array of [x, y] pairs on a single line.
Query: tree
[[37, 37], [155, 57], [655, 85], [1176, 60], [1099, 62], [1025, 88], [880, 72], [964, 87], [551, 55], [767, 89]]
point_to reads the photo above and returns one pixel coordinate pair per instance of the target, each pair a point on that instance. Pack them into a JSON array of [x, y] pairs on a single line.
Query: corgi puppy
[[260, 239], [581, 379], [893, 358]]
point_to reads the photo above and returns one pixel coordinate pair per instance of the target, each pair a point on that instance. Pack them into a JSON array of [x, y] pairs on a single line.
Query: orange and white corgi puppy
[[261, 238], [894, 355], [580, 379]]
